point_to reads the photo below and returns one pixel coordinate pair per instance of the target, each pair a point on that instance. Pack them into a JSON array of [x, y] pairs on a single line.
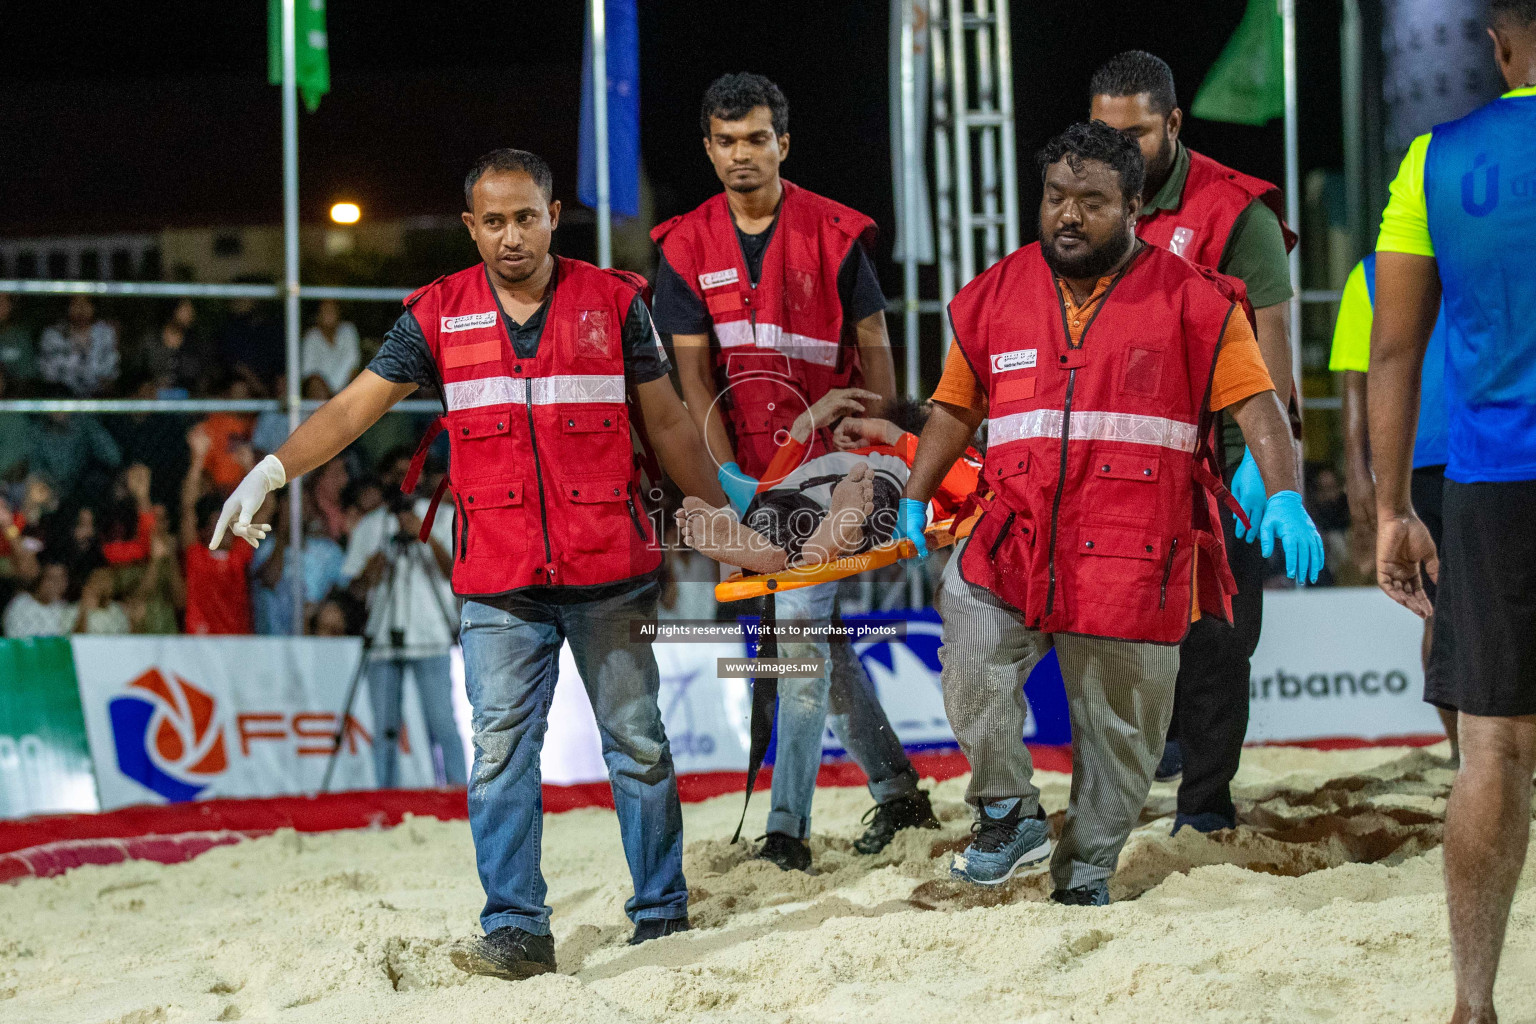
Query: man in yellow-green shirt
[[1461, 224], [1351, 356]]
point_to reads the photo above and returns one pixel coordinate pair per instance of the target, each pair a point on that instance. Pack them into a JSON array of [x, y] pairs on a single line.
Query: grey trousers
[[1120, 698]]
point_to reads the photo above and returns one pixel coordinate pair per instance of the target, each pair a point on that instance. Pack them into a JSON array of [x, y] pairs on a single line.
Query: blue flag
[[623, 50]]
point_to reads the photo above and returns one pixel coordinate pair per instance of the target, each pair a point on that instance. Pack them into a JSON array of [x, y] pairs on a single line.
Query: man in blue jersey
[[1461, 223], [1351, 356]]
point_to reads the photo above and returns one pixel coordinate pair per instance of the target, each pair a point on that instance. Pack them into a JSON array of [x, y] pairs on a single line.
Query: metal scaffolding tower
[[973, 139]]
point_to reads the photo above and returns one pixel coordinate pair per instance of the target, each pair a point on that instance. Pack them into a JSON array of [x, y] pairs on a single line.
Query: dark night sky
[[131, 116]]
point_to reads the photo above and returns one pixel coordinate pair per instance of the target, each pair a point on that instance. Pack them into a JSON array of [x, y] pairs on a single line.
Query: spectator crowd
[[105, 519]]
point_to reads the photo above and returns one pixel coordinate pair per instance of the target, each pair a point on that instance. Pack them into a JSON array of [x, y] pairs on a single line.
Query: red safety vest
[[544, 477], [779, 343], [1099, 456], [1214, 196]]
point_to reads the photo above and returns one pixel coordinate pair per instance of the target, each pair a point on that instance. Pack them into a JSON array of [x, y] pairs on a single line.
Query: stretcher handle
[[740, 586]]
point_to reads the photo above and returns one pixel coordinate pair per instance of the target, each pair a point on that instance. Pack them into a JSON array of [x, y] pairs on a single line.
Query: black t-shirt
[[753, 247], [679, 310], [404, 357]]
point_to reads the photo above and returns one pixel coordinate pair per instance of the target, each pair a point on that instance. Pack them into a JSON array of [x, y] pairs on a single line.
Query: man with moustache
[[1098, 362], [1231, 222], [773, 305], [541, 362]]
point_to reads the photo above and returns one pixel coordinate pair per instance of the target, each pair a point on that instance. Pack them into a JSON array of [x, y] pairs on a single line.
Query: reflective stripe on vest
[[472, 394], [1094, 426], [765, 335]]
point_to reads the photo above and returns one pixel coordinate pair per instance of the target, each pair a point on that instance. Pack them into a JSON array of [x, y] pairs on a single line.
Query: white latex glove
[[267, 477]]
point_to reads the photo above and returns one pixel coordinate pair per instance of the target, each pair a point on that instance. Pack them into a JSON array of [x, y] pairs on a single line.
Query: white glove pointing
[[266, 477]]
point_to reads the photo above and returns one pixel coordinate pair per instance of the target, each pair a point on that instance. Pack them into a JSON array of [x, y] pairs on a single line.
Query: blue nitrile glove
[[1248, 490], [1287, 520], [911, 521], [738, 487]]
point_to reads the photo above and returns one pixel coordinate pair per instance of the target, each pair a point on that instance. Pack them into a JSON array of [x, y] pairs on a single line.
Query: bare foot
[[718, 533], [842, 528]]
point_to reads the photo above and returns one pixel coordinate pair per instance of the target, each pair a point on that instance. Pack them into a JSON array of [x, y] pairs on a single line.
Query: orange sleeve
[[782, 464], [1240, 372], [958, 484], [958, 385]]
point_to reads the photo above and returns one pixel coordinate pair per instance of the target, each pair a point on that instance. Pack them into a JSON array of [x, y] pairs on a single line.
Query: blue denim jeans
[[434, 684], [842, 697], [511, 659]]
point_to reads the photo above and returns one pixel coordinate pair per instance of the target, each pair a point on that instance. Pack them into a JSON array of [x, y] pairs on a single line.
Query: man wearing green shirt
[[1230, 222], [18, 358]]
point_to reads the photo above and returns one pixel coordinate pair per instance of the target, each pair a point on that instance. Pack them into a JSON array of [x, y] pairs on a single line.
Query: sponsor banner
[[45, 762], [1340, 661], [905, 672], [707, 717], [181, 718]]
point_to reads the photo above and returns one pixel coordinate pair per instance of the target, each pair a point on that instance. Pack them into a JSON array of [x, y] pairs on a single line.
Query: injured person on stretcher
[[813, 510]]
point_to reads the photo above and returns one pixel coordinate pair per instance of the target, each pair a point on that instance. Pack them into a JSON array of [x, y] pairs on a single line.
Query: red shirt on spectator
[[227, 431], [218, 596], [134, 549]]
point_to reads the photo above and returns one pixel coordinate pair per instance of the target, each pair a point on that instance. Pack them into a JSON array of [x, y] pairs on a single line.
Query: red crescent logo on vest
[[1180, 240], [468, 322], [718, 279]]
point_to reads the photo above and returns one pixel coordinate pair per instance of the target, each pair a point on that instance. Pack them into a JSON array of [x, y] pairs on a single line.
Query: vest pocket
[[1143, 375], [479, 425], [1002, 464], [589, 421], [1118, 564], [600, 517], [494, 510], [1125, 483]]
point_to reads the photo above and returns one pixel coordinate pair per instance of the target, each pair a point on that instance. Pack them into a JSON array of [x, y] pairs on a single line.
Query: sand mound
[[1325, 904]]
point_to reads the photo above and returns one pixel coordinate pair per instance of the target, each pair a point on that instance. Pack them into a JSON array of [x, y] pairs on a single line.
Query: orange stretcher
[[740, 586]]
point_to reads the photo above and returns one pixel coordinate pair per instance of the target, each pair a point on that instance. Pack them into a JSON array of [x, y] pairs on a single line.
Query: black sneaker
[[789, 853], [1095, 894], [885, 820], [509, 953], [1171, 767], [658, 928]]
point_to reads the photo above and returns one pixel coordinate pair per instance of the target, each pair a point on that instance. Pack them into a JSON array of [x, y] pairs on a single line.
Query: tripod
[[403, 552]]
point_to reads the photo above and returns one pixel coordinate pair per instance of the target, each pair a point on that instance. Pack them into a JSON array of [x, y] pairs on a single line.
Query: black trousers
[[1210, 703]]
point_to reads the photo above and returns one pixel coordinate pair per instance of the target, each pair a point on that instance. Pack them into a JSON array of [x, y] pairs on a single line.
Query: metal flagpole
[[959, 103], [295, 555], [1009, 145], [1292, 179], [1351, 89], [909, 253], [600, 129], [910, 210]]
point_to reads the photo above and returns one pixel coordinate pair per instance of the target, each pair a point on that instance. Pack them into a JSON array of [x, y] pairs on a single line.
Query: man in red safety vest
[[1097, 361], [542, 364], [768, 293], [1230, 222]]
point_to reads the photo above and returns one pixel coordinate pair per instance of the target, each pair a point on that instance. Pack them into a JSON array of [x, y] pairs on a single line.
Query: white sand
[[1275, 923]]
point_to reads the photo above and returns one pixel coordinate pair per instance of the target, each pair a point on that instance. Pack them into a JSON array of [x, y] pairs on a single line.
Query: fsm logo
[[166, 737]]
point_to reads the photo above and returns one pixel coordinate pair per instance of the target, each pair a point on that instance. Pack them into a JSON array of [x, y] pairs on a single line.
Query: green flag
[[312, 55], [45, 758], [1246, 85]]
